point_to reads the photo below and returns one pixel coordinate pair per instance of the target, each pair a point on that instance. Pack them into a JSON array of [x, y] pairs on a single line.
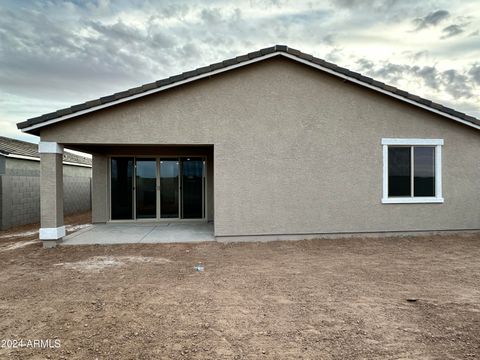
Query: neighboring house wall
[[19, 167], [20, 191], [296, 150]]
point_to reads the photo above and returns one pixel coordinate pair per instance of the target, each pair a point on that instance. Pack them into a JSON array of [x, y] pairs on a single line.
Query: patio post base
[[48, 244]]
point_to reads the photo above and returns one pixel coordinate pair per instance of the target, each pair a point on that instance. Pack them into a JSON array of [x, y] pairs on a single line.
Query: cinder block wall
[[76, 194], [20, 200], [20, 193]]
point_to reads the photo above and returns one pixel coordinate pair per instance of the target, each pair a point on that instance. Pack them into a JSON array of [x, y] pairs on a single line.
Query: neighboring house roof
[[279, 50], [25, 150]]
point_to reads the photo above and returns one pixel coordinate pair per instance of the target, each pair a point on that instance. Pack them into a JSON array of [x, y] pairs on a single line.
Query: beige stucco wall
[[99, 188], [51, 183], [296, 150]]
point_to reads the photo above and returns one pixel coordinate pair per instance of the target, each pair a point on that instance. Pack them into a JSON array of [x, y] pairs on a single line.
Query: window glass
[[169, 178], [146, 188], [399, 171], [122, 188], [192, 187], [424, 171]]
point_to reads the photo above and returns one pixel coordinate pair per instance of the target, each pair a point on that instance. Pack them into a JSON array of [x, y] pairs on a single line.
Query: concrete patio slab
[[151, 233]]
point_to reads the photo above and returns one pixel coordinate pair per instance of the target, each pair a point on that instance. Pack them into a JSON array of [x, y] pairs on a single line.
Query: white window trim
[[438, 198]]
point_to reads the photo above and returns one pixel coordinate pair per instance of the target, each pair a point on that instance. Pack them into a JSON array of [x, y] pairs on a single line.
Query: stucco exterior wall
[[296, 151], [99, 188]]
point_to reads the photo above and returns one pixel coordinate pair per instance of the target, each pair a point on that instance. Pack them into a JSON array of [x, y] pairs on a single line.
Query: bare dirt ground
[[319, 299]]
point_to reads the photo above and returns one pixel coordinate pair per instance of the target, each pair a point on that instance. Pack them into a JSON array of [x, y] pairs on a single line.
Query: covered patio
[[146, 233], [140, 194]]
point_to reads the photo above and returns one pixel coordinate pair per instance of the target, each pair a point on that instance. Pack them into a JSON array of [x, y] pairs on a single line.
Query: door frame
[[158, 189]]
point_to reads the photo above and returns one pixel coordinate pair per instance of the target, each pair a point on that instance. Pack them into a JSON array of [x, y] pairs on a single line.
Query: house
[[20, 183], [275, 144]]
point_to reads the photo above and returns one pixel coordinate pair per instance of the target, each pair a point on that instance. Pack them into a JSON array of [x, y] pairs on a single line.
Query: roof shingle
[[9, 146]]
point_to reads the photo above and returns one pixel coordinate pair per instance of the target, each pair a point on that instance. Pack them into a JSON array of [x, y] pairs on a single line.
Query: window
[[412, 171]]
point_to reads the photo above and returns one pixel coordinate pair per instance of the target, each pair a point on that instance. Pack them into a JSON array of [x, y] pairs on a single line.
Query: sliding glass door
[[122, 188], [157, 188], [146, 188], [192, 188], [169, 188]]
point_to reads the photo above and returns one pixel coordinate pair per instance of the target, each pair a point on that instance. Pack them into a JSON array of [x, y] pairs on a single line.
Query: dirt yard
[[323, 299]]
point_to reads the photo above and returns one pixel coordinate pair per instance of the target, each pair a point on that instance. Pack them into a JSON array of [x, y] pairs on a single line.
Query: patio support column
[[99, 188], [52, 228]]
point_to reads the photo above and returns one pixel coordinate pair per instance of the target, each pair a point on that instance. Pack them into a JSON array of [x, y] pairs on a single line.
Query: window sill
[[413, 200]]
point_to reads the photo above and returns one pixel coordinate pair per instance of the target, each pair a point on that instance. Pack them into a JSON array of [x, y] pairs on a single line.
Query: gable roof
[[24, 150], [31, 125]]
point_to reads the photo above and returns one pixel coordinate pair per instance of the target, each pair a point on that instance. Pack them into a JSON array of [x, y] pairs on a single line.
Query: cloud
[[376, 5], [452, 30], [329, 39], [56, 53], [365, 65], [211, 16], [459, 85], [429, 74], [432, 19], [334, 55], [69, 59], [367, 13], [474, 72], [420, 54], [48, 55]]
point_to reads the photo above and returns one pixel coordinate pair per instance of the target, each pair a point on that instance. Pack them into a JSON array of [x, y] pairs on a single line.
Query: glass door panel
[[169, 184], [192, 188], [122, 188], [146, 188]]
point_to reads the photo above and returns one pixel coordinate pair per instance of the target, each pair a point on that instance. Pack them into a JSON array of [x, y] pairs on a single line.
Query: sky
[[55, 54]]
